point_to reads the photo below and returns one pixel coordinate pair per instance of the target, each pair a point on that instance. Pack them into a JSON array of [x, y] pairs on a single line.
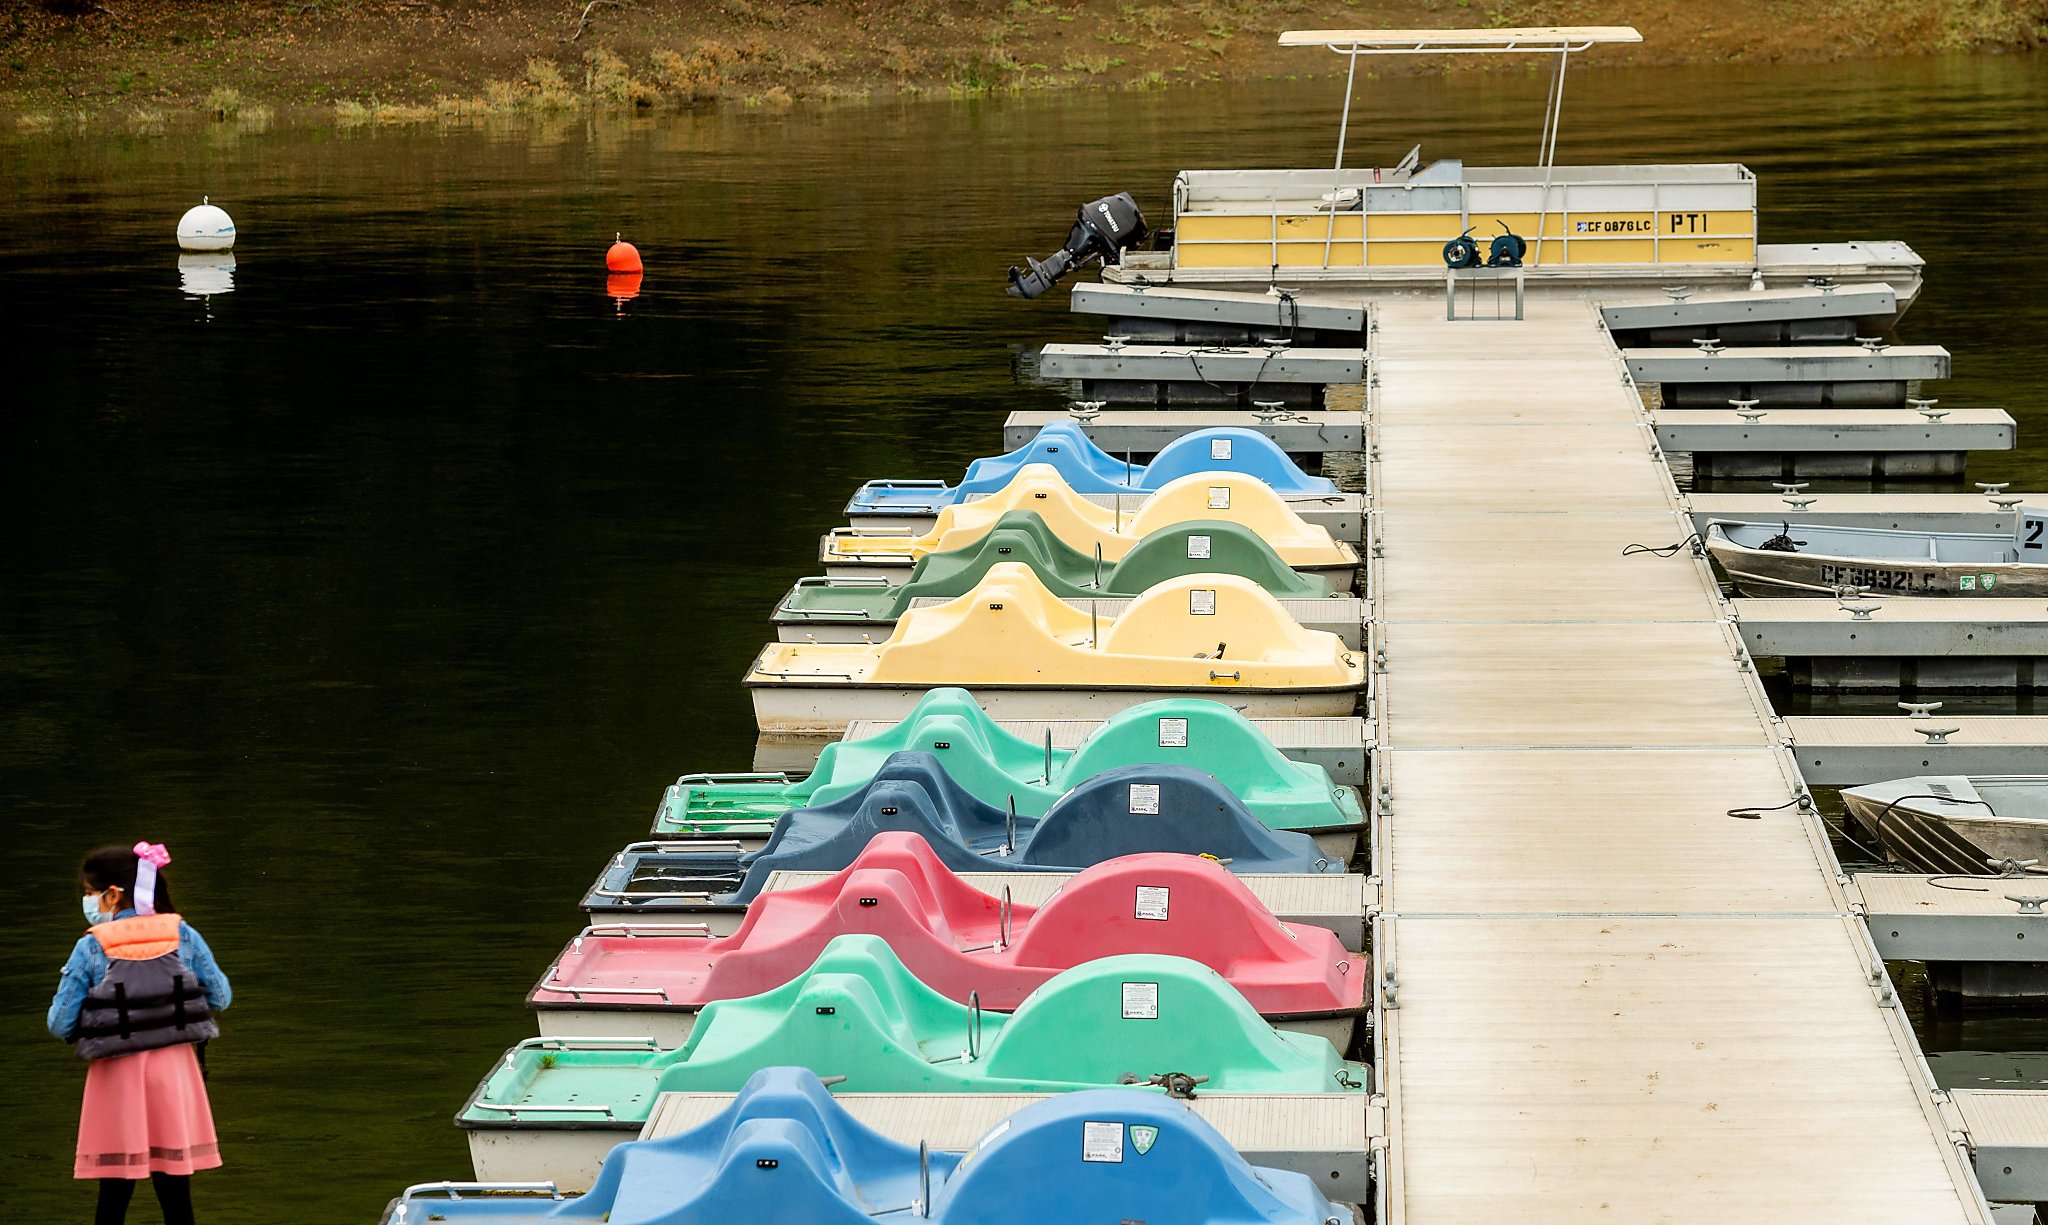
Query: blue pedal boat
[[785, 1153], [1088, 469], [1127, 811]]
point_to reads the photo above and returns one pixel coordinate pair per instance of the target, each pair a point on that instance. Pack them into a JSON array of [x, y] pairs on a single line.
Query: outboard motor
[[1105, 229]]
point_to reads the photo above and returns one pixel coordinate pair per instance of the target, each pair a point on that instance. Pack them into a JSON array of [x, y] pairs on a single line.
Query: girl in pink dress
[[137, 997]]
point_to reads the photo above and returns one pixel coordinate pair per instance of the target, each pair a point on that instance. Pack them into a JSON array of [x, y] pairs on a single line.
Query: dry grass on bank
[[377, 62]]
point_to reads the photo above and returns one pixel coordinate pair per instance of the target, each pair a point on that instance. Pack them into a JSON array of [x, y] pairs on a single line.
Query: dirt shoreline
[[396, 61]]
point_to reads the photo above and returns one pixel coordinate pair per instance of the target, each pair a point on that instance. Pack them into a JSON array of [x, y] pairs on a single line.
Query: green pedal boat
[[854, 609], [1000, 768], [1150, 1022]]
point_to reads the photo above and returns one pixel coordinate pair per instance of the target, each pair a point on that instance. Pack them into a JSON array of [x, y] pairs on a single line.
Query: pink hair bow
[[149, 857]]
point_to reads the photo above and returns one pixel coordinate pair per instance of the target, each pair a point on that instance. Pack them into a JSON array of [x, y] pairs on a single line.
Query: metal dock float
[[1142, 432], [1804, 313], [1566, 899], [2008, 1139], [1913, 512], [1173, 313], [1322, 1135], [1200, 374], [1823, 375], [1945, 918], [1849, 750], [1892, 643], [1336, 902], [1832, 442]]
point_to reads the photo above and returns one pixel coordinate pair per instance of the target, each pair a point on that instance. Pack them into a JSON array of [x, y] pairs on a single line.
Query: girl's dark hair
[[115, 865]]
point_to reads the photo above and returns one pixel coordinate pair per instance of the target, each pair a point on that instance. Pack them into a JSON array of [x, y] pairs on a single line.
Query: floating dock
[[1902, 644], [1913, 512], [1858, 443], [1795, 314], [1603, 996], [1848, 750]]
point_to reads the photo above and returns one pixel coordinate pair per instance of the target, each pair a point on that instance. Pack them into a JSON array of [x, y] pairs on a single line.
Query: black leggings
[[173, 1193]]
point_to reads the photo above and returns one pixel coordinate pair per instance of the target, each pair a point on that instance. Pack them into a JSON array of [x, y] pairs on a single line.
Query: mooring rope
[[1699, 548]]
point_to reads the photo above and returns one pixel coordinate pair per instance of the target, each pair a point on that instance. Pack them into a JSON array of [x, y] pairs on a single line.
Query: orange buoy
[[623, 256]]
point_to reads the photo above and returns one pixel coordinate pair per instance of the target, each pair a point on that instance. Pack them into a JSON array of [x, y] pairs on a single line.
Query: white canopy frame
[[1561, 41]]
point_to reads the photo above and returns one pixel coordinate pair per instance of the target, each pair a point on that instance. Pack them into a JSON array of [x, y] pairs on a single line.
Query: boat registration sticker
[[1152, 901], [1198, 548], [1173, 733], [1141, 1001], [1144, 799], [1202, 602], [1102, 1141], [1968, 582], [1987, 581], [1219, 497], [1219, 448]]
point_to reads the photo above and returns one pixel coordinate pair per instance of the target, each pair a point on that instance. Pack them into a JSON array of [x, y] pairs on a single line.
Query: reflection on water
[[390, 597], [202, 276]]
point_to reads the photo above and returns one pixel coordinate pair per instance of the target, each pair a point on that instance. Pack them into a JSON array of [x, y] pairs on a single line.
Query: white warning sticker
[[1102, 1141], [1219, 497], [1152, 901], [1219, 448], [1144, 799], [1202, 602], [1198, 548], [1141, 1001], [1173, 733]]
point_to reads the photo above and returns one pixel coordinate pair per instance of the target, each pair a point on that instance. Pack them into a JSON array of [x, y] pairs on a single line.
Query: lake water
[[390, 588]]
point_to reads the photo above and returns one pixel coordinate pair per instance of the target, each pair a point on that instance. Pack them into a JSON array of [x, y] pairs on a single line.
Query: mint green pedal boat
[[1141, 1020], [998, 767]]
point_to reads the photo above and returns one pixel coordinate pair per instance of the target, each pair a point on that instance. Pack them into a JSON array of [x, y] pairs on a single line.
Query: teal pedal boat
[[1149, 1022], [999, 768], [785, 1152], [826, 609]]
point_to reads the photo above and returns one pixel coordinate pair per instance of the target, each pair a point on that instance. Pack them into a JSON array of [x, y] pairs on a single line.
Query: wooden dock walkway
[[1604, 998]]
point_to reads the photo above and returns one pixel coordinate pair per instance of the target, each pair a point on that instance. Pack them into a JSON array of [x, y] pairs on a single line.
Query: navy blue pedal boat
[[1127, 811], [785, 1153]]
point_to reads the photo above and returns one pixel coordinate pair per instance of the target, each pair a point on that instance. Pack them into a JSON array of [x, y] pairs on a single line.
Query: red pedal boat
[[633, 979]]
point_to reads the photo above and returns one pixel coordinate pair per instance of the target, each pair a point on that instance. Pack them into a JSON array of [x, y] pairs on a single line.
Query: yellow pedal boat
[[889, 554], [1025, 654]]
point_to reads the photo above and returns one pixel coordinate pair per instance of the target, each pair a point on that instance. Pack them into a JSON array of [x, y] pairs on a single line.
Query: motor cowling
[[1103, 230]]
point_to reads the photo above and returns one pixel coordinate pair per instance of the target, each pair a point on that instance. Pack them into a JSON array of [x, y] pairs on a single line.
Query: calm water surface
[[389, 588]]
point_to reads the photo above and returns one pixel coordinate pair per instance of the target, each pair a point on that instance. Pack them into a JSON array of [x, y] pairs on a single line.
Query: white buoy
[[206, 228]]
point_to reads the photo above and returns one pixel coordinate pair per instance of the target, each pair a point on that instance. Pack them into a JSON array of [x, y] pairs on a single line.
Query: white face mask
[[90, 903]]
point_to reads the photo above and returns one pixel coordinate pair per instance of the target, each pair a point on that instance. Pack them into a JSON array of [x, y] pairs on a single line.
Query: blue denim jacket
[[87, 965]]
